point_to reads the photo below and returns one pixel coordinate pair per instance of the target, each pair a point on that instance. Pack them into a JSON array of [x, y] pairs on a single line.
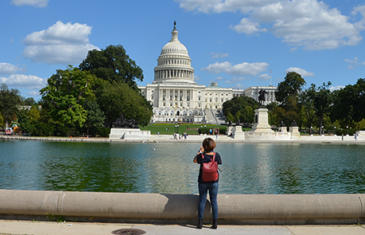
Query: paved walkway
[[13, 227]]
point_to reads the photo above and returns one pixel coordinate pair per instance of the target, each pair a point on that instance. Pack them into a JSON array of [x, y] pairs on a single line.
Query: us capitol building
[[176, 97]]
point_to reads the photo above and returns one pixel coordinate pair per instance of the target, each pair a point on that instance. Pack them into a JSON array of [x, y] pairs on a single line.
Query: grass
[[190, 129]]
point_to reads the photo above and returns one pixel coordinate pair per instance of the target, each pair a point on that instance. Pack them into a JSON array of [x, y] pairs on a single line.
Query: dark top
[[207, 158]]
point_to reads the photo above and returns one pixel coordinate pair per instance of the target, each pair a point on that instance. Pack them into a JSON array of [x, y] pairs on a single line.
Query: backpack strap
[[213, 157]]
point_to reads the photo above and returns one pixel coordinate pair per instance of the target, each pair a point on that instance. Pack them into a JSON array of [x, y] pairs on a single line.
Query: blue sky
[[237, 43]]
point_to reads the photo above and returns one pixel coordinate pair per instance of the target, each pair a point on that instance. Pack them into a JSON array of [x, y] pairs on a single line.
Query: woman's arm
[[195, 160]]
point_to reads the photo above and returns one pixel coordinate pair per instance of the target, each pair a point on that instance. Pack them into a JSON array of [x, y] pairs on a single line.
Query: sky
[[236, 43]]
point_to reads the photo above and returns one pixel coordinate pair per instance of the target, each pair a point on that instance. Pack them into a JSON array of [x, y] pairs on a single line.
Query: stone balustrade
[[233, 208]]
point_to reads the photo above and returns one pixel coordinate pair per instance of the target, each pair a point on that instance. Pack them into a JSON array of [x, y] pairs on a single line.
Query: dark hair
[[208, 145]]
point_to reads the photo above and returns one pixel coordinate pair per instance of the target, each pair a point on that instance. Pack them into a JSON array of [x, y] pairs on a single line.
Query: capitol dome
[[174, 63], [174, 46]]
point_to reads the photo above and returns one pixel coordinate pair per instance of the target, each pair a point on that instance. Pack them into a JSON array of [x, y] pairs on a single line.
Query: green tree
[[95, 118], [34, 113], [9, 101], [28, 120], [64, 99], [123, 106], [322, 101], [288, 97], [230, 117], [240, 109], [348, 104], [114, 65], [1, 121], [29, 101], [276, 114], [290, 87]]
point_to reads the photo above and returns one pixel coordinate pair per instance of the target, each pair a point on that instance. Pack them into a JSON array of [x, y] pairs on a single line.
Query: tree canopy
[[64, 98], [114, 65], [240, 109], [291, 86], [123, 106], [98, 95], [9, 101], [349, 103]]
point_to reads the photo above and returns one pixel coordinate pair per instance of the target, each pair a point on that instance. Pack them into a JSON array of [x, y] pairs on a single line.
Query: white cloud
[[265, 76], [235, 80], [360, 10], [334, 88], [301, 71], [34, 93], [219, 6], [6, 68], [216, 55], [23, 81], [59, 44], [352, 63], [35, 3], [310, 24], [238, 69], [248, 27]]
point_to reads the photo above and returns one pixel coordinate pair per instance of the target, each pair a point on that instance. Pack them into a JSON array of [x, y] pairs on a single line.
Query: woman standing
[[208, 179]]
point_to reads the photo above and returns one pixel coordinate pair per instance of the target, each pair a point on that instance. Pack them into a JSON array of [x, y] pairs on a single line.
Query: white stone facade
[[174, 94]]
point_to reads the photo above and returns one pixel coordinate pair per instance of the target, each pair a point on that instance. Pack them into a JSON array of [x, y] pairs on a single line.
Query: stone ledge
[[233, 208]]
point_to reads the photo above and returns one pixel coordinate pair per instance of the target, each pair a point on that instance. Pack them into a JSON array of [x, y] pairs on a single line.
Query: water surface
[[168, 167]]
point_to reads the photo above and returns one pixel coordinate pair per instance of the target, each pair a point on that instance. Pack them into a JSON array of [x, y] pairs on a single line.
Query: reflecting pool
[[168, 167]]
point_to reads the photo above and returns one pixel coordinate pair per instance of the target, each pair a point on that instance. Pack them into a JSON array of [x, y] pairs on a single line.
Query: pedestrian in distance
[[208, 179]]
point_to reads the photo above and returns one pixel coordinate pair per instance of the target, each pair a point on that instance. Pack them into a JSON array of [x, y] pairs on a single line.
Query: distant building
[[254, 92], [176, 97]]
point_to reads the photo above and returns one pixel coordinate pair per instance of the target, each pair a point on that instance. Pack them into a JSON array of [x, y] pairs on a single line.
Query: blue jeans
[[213, 191]]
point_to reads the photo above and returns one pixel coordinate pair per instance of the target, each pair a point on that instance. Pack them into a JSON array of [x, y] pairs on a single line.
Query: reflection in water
[[168, 168], [171, 170]]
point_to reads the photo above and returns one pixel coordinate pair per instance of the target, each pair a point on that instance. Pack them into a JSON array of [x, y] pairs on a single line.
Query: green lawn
[[190, 129]]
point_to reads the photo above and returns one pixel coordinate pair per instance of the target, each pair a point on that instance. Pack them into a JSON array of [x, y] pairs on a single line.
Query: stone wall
[[244, 209]]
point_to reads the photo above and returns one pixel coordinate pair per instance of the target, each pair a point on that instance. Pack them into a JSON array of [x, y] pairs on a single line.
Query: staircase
[[213, 117]]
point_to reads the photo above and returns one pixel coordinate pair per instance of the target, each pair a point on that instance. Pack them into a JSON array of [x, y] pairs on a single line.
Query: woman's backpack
[[210, 170]]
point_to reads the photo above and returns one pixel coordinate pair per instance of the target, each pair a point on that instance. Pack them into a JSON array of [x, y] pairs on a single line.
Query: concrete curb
[[192, 139], [243, 209]]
